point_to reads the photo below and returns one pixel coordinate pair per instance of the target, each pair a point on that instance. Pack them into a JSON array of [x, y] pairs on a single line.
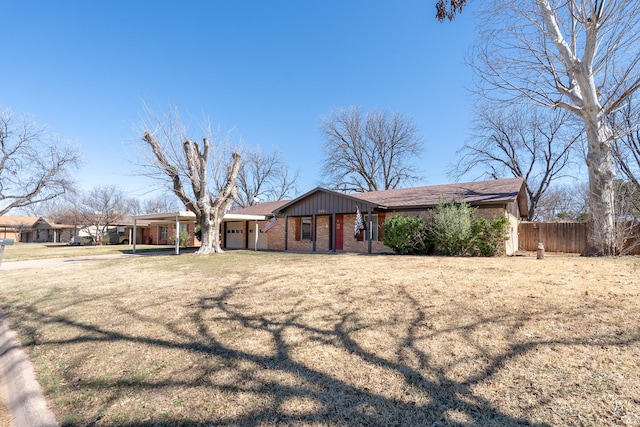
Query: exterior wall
[[491, 212], [297, 245], [150, 235], [323, 233], [10, 233], [488, 212], [275, 236], [511, 244], [323, 237], [43, 233], [351, 244]]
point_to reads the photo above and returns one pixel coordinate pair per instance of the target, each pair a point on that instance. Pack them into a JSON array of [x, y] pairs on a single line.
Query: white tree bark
[[192, 166], [580, 55], [584, 94]]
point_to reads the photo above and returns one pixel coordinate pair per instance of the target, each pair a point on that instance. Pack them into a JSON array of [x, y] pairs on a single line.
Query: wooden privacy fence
[[569, 237]]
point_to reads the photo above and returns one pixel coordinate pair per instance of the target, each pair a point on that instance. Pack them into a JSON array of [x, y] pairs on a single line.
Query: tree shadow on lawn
[[328, 393]]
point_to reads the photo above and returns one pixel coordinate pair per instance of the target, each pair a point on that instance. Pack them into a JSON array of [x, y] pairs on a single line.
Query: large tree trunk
[[223, 201], [601, 187], [207, 228]]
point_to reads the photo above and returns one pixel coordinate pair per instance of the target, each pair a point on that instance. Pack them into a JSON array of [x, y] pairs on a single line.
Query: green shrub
[[455, 230], [458, 230], [183, 239], [406, 235], [451, 227], [488, 236]]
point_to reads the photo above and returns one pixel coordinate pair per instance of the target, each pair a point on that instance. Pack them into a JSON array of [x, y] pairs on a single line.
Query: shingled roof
[[479, 193], [17, 221], [497, 191], [264, 208]]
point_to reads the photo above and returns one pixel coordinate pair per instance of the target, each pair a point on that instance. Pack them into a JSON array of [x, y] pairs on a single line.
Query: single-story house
[[323, 220], [46, 230], [13, 227]]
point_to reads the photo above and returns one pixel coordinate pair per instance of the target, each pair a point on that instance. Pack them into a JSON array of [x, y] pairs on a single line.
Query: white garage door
[[235, 235]]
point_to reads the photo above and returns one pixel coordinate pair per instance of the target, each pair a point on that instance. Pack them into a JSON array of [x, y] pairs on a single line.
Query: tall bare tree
[[369, 152], [626, 146], [264, 177], [570, 55], [35, 165], [533, 144], [100, 209], [186, 165]]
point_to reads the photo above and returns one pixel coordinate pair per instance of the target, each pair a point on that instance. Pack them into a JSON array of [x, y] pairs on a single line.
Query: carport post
[[134, 235], [257, 231], [333, 232], [177, 233], [369, 231]]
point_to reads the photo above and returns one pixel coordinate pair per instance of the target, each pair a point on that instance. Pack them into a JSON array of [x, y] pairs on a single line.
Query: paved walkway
[[50, 262], [22, 402], [22, 396]]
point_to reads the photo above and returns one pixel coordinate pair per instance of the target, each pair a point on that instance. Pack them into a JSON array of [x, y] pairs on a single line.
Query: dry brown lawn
[[265, 339]]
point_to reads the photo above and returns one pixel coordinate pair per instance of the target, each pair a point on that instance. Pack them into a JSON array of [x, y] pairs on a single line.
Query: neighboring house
[[46, 230], [159, 229], [13, 227], [323, 220]]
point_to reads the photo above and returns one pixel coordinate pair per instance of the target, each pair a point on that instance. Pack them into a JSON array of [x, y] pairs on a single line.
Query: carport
[[179, 217], [162, 219]]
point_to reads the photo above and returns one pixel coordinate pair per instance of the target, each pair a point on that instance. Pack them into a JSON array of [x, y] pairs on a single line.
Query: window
[[374, 228], [183, 228], [164, 232], [305, 229]]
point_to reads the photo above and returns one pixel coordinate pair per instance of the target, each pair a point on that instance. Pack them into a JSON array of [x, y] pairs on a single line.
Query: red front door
[[339, 234]]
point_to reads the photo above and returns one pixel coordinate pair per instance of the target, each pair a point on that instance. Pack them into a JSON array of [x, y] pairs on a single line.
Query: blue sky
[[266, 70]]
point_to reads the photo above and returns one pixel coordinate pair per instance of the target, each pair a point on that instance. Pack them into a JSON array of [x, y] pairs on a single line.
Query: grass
[[262, 339], [31, 251]]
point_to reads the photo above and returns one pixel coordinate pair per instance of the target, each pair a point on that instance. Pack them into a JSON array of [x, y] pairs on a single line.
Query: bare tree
[[34, 164], [186, 166], [524, 143], [100, 209], [158, 204], [626, 146], [564, 202], [264, 177], [369, 152], [570, 55]]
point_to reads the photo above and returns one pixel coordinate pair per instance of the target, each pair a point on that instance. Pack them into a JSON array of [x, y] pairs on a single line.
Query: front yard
[[262, 339]]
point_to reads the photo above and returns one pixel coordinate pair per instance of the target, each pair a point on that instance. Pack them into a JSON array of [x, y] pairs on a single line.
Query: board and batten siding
[[324, 203]]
